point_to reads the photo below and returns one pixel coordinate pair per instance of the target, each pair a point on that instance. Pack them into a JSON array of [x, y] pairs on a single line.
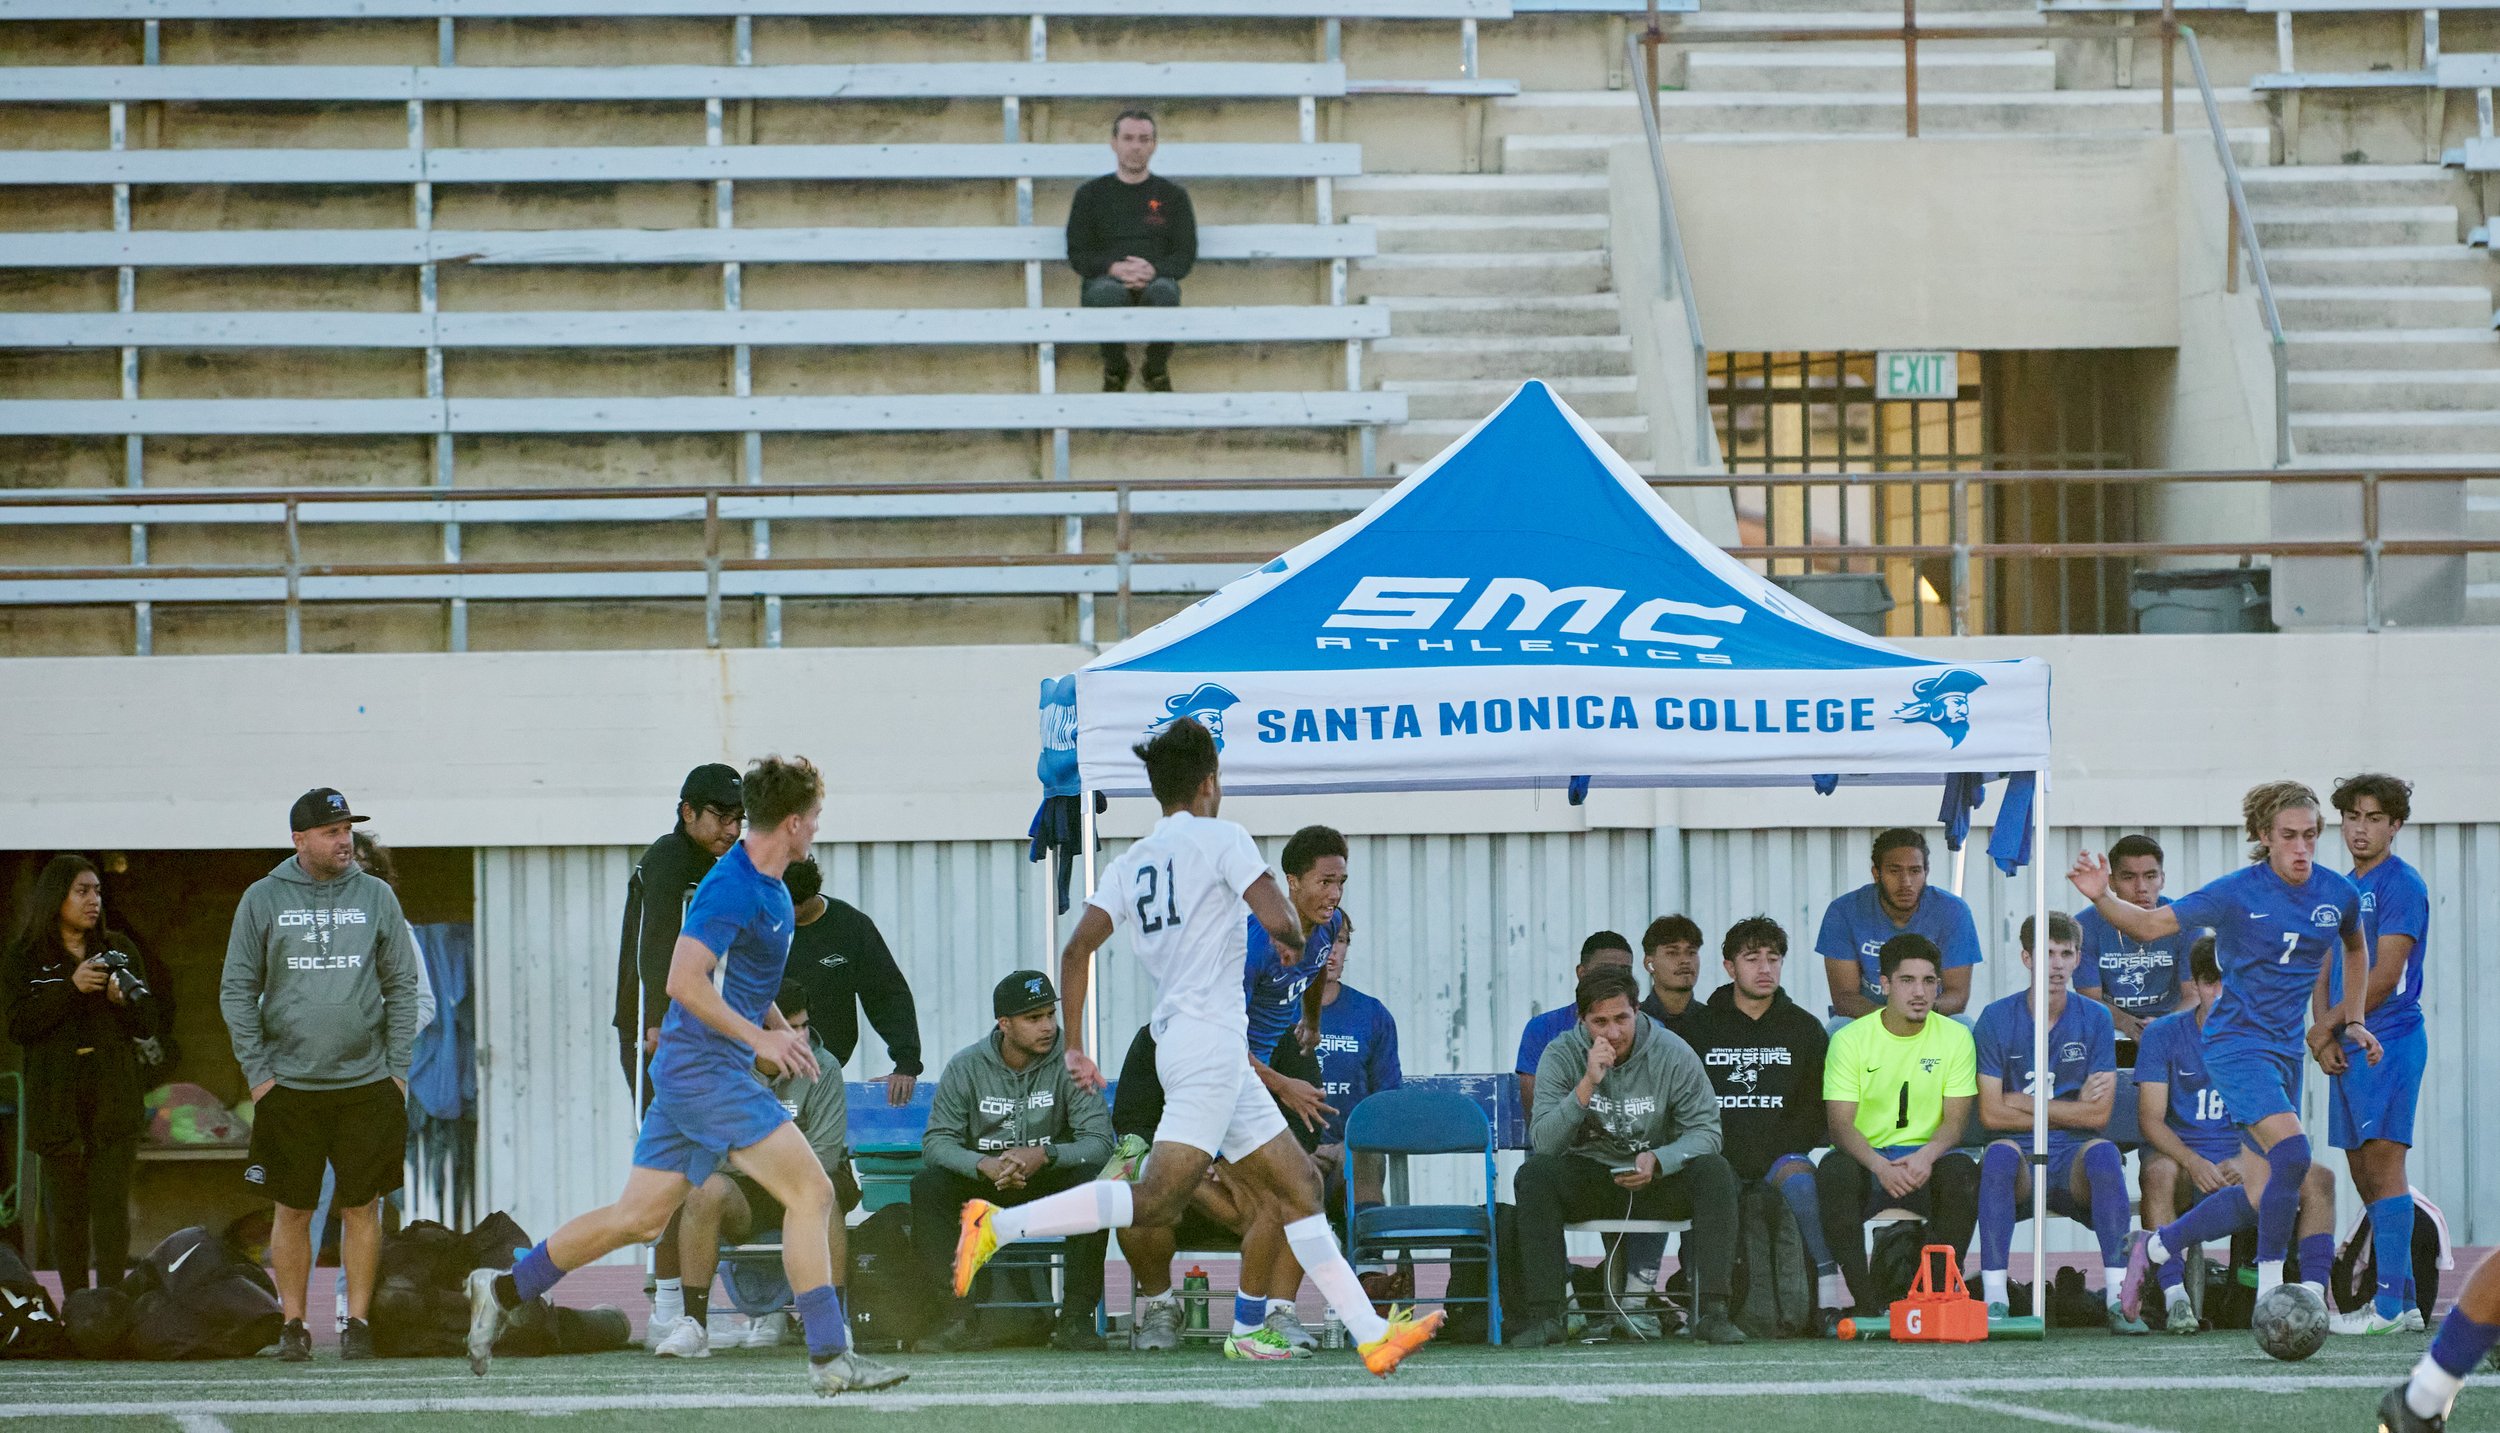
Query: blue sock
[[2218, 1215], [2391, 1239], [2317, 1258], [2105, 1171], [535, 1274], [2461, 1343], [1794, 1179], [1999, 1168], [2278, 1209], [1249, 1312], [828, 1332]]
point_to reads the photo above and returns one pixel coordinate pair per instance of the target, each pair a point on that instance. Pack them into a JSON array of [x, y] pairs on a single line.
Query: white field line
[[2038, 1415], [1234, 1394]]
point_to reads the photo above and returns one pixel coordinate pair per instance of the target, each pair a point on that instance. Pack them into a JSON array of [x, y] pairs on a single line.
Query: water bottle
[[1332, 1333], [1194, 1294]]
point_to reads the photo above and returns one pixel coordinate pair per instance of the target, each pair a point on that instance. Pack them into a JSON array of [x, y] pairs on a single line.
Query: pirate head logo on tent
[[1206, 705], [1943, 702]]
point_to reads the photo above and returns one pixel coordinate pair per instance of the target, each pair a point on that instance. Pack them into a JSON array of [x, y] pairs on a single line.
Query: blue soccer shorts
[[690, 1132], [2376, 1101]]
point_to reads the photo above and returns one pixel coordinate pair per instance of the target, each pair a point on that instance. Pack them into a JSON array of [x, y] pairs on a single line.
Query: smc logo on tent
[[1419, 604]]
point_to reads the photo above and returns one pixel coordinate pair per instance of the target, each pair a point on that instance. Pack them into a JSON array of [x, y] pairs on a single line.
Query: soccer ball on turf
[[2290, 1323]]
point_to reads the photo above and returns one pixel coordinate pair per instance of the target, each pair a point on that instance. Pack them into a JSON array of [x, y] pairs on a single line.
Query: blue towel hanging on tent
[[1963, 793], [2009, 844]]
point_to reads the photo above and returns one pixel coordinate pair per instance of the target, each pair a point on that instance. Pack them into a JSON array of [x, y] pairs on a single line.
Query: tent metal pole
[[1092, 1018], [1961, 861], [2044, 1084]]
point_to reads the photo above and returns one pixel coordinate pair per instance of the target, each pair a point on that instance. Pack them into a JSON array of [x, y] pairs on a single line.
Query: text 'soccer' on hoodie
[[1657, 1098], [982, 1108], [320, 984]]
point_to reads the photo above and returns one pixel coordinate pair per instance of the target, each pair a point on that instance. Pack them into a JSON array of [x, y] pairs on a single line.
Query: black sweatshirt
[[53, 1020], [1768, 1074], [655, 905], [844, 964], [1110, 220]]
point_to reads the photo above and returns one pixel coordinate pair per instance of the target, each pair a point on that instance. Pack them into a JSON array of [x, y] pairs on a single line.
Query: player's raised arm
[[1275, 915], [2090, 876]]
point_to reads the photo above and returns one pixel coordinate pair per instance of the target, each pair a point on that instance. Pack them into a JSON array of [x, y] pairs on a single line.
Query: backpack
[[195, 1297], [1899, 1250], [420, 1302], [29, 1325], [2355, 1278], [98, 1321], [890, 1301], [1774, 1283]]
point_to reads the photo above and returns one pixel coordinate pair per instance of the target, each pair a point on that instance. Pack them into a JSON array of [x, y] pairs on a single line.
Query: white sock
[[1166, 1297], [2113, 1277], [342, 1300], [2155, 1250], [2433, 1390], [1316, 1248], [1101, 1204], [2269, 1276], [1992, 1284], [668, 1302]]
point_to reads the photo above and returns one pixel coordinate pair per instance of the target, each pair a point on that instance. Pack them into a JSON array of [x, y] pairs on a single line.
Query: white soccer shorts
[[1212, 1100]]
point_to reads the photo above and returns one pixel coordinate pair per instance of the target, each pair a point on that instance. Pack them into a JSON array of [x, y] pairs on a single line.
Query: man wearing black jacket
[[1132, 238], [711, 810], [838, 957], [1764, 1055]]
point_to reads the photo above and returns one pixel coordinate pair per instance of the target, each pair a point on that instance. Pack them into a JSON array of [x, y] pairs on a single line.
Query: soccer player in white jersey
[[1180, 891]]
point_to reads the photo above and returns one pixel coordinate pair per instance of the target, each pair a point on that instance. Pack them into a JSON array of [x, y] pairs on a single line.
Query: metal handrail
[[1677, 277], [2247, 236]]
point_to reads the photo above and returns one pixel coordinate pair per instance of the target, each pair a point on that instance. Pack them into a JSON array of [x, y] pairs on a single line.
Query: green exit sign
[[1912, 373]]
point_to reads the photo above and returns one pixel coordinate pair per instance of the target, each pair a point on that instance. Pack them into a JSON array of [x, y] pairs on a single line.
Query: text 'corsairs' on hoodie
[[1769, 1077], [982, 1108], [1656, 1098], [320, 985]]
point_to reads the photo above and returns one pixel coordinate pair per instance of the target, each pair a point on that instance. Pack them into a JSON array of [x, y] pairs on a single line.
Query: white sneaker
[[766, 1332], [851, 1372], [2413, 1320], [1158, 1326], [726, 1329], [2365, 1322], [687, 1339]]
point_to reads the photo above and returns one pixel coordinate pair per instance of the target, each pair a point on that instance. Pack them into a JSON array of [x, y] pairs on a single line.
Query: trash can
[[1859, 599], [2202, 599]]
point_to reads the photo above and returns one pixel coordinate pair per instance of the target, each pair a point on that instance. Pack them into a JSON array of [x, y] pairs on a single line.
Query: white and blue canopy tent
[[1526, 612]]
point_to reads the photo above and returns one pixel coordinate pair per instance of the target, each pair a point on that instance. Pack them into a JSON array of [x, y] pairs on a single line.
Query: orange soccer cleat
[[975, 1245], [1406, 1334]]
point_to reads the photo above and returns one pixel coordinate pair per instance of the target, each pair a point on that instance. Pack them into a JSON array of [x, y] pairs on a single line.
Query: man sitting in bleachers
[[1132, 238], [731, 1208], [1010, 1124]]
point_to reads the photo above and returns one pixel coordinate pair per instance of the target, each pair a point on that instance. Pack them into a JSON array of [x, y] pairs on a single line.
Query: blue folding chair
[[1423, 1121]]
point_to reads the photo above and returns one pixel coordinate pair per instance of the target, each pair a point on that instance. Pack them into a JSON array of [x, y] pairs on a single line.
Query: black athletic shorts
[[362, 1131]]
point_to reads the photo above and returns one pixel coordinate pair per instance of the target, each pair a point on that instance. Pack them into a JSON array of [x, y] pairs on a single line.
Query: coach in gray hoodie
[[1009, 1124], [1626, 1126], [320, 998]]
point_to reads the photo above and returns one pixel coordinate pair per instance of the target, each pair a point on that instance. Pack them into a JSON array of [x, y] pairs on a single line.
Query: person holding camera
[[76, 1003]]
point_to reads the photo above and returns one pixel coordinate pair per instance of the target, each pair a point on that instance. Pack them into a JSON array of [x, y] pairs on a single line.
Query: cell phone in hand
[[1621, 1168]]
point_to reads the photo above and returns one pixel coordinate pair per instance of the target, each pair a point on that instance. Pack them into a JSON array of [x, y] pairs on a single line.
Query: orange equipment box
[[1939, 1309]]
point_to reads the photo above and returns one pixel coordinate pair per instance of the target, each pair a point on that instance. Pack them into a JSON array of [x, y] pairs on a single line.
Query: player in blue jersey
[[2192, 1149], [2137, 980], [2277, 922], [707, 1107], [1856, 925], [2371, 1116], [2087, 1174]]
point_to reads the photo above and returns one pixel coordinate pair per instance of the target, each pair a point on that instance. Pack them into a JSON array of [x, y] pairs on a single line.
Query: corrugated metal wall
[[1462, 936]]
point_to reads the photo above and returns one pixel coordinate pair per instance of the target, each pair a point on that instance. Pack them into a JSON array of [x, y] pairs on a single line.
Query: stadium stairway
[[2387, 316], [1490, 279], [1967, 88]]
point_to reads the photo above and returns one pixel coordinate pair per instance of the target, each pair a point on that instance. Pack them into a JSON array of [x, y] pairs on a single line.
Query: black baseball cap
[[321, 806], [1021, 993], [714, 784]]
